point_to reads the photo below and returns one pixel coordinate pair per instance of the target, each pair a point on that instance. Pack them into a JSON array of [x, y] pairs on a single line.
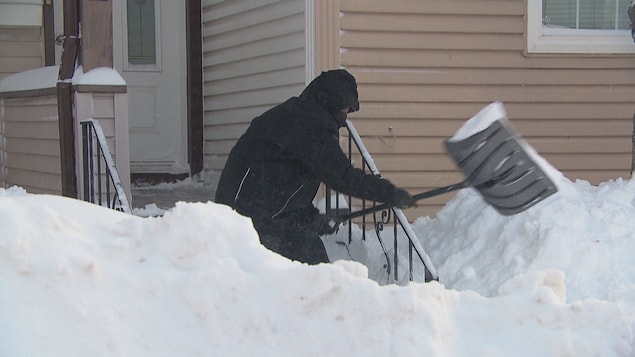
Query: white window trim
[[542, 39], [309, 43], [127, 66]]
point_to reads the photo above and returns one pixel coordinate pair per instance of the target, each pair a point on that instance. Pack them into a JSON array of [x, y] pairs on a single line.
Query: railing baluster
[[99, 196], [396, 252], [396, 215], [85, 167], [91, 158], [95, 148]]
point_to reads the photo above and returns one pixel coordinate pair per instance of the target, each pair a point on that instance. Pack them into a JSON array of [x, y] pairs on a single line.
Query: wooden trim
[[194, 86], [67, 139], [48, 20], [327, 35], [94, 88], [65, 99], [96, 47], [29, 93]]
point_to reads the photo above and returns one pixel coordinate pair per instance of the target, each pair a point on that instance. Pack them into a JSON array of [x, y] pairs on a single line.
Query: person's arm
[[318, 148]]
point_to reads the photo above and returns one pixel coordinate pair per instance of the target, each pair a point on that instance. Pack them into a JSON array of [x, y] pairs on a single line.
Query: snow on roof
[[37, 78], [104, 76], [47, 77]]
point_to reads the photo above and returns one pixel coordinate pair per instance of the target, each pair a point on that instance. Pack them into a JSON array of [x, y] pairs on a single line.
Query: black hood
[[334, 90]]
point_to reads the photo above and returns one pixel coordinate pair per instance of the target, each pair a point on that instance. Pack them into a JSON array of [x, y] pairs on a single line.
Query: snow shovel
[[496, 162]]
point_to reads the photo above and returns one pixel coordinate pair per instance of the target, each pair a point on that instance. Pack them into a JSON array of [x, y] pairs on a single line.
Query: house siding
[[424, 67], [253, 59], [30, 151], [21, 48], [29, 140]]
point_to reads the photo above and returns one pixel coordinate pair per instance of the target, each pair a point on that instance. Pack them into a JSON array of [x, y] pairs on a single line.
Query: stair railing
[[418, 260], [101, 181]]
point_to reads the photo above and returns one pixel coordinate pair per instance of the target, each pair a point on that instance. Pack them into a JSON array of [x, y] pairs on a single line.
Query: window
[[142, 42], [579, 26]]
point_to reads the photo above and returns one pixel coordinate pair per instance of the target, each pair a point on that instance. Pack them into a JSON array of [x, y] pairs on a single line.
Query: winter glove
[[401, 199], [325, 224]]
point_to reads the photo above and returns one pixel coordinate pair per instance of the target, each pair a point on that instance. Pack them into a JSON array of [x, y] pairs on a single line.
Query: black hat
[[334, 90]]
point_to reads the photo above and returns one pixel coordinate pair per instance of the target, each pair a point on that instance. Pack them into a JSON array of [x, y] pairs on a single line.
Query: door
[[149, 51]]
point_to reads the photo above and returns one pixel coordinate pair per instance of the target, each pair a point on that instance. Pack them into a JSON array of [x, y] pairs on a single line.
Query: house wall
[[31, 149], [20, 49], [424, 67], [21, 39], [253, 59]]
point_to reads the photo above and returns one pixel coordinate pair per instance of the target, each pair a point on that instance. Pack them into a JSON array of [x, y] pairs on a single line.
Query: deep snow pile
[[78, 279]]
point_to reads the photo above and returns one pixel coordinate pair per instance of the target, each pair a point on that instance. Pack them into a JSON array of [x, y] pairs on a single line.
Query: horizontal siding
[[20, 49], [31, 144], [424, 67], [36, 182], [435, 7], [253, 59], [461, 58]]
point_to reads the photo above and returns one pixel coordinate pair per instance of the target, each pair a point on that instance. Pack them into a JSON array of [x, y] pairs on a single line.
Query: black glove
[[401, 199], [325, 225]]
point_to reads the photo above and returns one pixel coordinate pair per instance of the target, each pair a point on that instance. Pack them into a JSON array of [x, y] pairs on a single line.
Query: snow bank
[[79, 279]]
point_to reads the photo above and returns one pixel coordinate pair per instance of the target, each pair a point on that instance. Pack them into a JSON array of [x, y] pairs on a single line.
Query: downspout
[[66, 121]]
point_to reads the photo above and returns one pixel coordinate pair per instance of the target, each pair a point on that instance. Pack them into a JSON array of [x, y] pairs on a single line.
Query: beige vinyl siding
[[31, 150], [253, 59], [31, 144], [424, 67], [20, 49]]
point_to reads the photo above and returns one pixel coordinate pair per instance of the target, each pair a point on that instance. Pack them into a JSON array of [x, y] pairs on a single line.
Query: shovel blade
[[495, 162]]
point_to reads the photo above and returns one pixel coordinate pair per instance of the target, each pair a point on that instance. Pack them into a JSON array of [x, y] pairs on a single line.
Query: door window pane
[[141, 32]]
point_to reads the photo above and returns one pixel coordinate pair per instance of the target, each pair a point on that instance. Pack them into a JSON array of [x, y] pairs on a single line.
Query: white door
[[149, 52]]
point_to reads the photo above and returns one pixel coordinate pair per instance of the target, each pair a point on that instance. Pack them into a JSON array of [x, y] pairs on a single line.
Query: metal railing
[[101, 181], [406, 245]]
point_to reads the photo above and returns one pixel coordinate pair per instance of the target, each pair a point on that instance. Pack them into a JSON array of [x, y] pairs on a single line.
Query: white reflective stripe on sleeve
[[286, 203], [240, 187]]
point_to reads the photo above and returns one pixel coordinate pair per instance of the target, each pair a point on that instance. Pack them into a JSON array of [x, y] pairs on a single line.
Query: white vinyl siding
[[253, 58], [21, 48], [31, 149], [21, 13]]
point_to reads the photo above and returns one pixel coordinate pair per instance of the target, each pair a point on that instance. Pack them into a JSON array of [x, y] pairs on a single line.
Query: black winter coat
[[274, 170]]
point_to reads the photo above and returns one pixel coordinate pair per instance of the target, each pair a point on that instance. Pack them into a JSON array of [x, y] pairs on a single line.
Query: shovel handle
[[417, 197]]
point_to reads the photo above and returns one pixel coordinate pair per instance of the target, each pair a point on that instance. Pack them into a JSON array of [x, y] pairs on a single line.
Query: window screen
[[586, 14]]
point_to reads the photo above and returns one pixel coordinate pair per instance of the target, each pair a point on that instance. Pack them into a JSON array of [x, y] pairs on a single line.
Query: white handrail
[[110, 163], [398, 212]]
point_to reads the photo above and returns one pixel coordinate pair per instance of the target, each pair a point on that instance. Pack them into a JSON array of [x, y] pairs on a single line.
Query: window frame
[[545, 40], [130, 67]]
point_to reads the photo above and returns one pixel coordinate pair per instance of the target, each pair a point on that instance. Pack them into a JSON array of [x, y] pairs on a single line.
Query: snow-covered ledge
[[30, 97], [32, 83], [43, 81]]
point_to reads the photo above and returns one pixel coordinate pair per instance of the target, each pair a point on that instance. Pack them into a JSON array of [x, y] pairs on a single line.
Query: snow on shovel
[[495, 161]]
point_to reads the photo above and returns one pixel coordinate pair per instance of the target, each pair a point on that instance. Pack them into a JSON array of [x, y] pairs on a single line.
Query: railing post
[[84, 165]]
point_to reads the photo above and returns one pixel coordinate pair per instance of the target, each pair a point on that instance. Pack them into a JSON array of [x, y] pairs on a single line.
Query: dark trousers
[[292, 241]]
